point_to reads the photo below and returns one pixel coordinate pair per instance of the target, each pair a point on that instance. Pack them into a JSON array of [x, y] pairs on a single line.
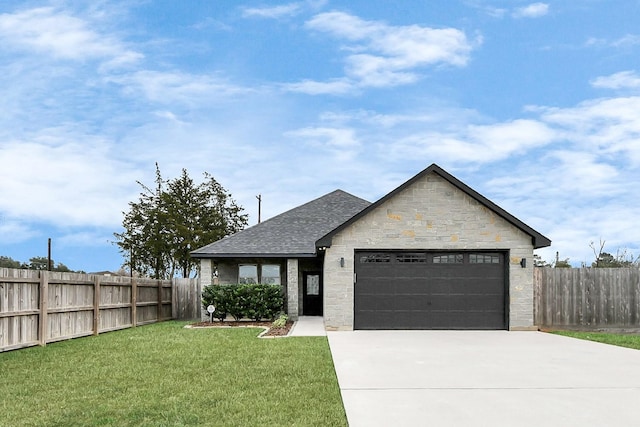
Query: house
[[431, 254]]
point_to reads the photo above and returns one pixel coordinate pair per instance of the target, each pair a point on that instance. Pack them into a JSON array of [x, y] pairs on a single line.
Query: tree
[[174, 218], [607, 260], [8, 262], [562, 263], [42, 263], [557, 263]]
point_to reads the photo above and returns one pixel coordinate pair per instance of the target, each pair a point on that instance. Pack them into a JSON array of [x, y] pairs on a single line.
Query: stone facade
[[429, 214], [293, 288]]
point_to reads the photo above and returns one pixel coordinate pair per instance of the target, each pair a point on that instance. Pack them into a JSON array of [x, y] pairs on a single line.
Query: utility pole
[[49, 254], [259, 197]]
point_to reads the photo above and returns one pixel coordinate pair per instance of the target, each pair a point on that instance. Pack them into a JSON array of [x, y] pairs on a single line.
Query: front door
[[312, 299]]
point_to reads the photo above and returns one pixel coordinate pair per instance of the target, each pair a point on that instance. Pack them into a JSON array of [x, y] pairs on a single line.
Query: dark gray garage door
[[429, 290]]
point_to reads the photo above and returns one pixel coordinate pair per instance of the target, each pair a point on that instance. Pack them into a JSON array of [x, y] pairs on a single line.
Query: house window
[[270, 274], [248, 273]]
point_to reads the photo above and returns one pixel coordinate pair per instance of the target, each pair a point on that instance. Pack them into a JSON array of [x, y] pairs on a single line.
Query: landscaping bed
[[271, 331]]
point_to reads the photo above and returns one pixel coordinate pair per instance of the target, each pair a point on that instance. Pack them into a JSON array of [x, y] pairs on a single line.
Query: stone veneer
[[429, 214]]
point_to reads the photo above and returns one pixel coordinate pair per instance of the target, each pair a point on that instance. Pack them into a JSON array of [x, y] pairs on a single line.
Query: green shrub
[[252, 301], [215, 295], [281, 321]]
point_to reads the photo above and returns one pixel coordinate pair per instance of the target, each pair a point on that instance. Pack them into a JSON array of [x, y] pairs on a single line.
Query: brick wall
[[429, 214]]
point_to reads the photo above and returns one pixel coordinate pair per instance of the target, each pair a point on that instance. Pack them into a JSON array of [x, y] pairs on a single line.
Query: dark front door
[[312, 299]]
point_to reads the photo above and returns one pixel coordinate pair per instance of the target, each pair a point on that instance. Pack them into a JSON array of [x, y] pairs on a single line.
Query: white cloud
[[383, 55], [477, 143], [534, 10], [608, 126], [14, 231], [627, 41], [340, 86], [63, 36], [55, 181], [84, 239], [621, 80], [178, 87], [272, 12], [342, 142]]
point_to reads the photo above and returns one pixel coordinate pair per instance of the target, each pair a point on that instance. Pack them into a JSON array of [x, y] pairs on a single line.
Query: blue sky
[[533, 104]]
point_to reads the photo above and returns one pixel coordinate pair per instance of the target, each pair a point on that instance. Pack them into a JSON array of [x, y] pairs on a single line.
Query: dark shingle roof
[[291, 233]]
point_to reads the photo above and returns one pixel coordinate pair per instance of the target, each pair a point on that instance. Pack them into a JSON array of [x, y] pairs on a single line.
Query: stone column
[[292, 288], [206, 273], [206, 278]]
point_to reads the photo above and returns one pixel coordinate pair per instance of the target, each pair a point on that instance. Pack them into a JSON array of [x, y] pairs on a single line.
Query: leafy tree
[[607, 260], [35, 263], [42, 263], [558, 263], [562, 263], [174, 218], [8, 262], [39, 263]]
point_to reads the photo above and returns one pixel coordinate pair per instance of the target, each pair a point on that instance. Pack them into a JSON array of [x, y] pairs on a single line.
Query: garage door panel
[[402, 293], [413, 302]]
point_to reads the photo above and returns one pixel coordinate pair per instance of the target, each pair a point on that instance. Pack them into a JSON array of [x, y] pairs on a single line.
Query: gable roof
[[292, 233], [538, 240]]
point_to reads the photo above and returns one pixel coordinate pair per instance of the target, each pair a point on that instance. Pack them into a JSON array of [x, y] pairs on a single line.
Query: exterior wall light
[[523, 263], [342, 262]]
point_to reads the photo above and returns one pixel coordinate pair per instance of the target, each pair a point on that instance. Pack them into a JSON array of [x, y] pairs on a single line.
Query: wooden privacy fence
[[587, 298], [39, 307]]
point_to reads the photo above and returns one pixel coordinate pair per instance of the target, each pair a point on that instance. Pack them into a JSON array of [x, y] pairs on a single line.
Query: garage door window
[[448, 259], [411, 258], [375, 258], [484, 259]]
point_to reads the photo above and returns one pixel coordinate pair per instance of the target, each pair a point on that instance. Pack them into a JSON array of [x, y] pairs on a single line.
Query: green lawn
[[165, 375], [622, 340]]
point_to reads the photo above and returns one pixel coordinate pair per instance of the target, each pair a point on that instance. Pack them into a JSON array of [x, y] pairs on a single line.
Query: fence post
[[134, 302], [159, 300], [174, 306], [96, 305], [44, 297]]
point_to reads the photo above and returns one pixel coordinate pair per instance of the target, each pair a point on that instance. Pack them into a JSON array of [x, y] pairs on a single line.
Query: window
[[411, 258], [375, 258], [248, 273], [448, 259], [270, 274], [484, 259]]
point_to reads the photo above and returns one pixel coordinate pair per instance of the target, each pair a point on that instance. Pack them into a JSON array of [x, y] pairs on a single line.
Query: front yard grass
[[622, 340], [165, 375]]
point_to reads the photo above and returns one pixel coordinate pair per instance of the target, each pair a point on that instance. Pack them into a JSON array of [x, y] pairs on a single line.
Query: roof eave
[[255, 255]]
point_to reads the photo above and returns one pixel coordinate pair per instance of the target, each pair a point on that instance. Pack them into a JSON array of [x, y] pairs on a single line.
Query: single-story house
[[431, 254]]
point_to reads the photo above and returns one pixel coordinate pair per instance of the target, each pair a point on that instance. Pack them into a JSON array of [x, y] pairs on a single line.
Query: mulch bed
[[271, 332]]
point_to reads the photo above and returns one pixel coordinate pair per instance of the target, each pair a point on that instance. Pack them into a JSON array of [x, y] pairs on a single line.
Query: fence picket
[[39, 307], [587, 297]]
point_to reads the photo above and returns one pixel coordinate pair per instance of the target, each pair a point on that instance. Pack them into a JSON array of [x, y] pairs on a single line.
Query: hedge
[[244, 301]]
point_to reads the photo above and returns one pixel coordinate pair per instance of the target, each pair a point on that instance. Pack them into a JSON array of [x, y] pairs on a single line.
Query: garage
[[430, 290]]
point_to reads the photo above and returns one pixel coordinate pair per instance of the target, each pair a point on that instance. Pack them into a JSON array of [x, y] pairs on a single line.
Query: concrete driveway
[[478, 378]]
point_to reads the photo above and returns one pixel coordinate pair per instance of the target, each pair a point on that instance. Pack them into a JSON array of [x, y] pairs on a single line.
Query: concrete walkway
[[308, 326], [481, 378]]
